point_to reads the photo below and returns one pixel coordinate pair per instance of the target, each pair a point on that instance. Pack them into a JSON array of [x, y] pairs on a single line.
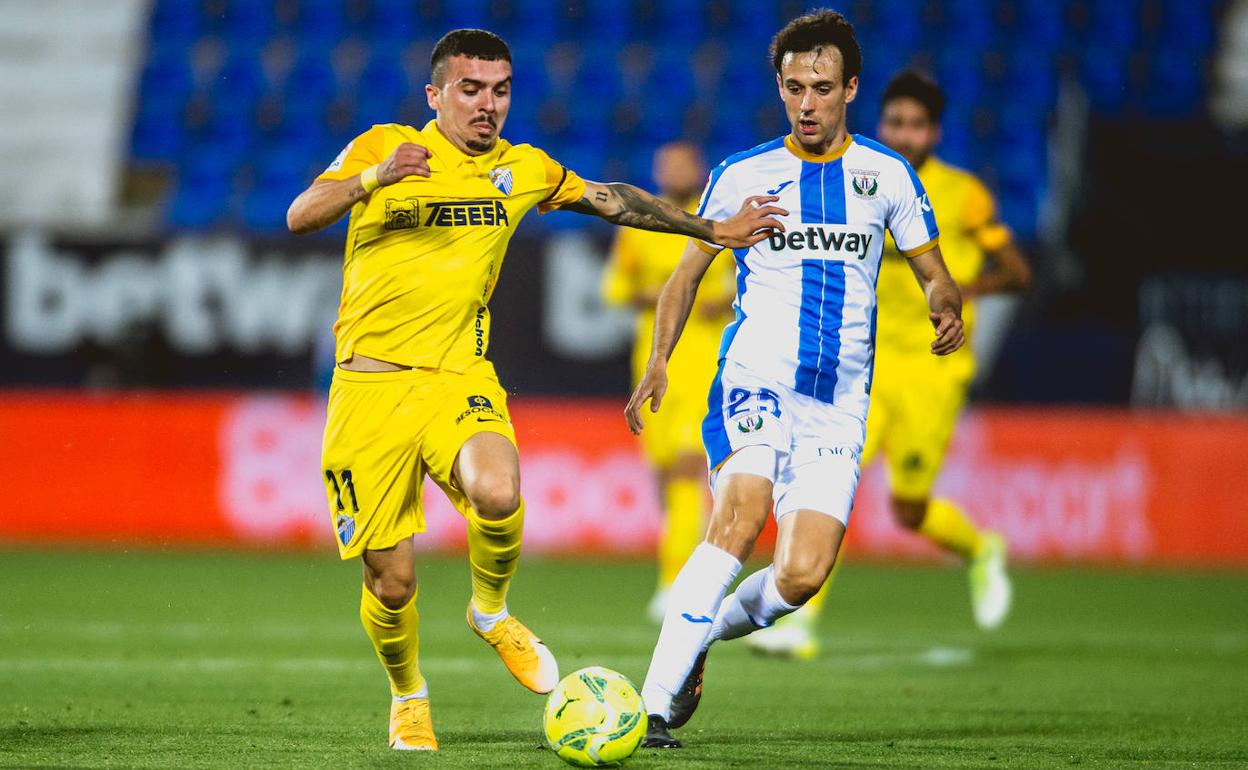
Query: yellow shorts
[[385, 431], [677, 427], [915, 403]]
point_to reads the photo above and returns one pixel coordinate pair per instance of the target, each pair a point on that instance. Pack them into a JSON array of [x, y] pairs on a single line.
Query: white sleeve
[[911, 219], [718, 202]]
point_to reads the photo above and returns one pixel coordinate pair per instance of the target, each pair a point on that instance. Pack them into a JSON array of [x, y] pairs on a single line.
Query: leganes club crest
[[865, 182], [750, 424]]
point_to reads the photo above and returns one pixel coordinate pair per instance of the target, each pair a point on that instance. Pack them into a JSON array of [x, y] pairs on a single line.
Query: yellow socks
[[683, 525], [948, 527], [395, 636], [493, 551]]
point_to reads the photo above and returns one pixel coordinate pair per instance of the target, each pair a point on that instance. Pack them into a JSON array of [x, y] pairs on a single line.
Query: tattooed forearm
[[624, 204], [640, 209]]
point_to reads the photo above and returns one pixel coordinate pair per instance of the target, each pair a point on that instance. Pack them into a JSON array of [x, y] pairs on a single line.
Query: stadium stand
[[242, 101]]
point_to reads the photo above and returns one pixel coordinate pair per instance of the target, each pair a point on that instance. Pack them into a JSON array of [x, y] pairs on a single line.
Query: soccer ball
[[595, 718]]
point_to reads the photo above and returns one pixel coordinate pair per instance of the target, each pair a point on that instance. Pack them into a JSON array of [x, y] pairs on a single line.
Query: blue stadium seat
[[1174, 83], [1041, 22], [1103, 73], [1115, 23]]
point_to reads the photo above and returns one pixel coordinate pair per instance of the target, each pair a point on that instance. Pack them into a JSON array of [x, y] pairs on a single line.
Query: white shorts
[[818, 446]]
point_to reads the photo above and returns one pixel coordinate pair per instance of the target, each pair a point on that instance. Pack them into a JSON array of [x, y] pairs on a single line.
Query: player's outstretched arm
[[624, 204], [327, 200], [943, 299], [1009, 272], [675, 302]]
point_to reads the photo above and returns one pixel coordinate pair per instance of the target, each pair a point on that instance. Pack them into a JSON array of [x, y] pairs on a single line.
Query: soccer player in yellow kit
[[640, 264], [432, 210], [913, 426]]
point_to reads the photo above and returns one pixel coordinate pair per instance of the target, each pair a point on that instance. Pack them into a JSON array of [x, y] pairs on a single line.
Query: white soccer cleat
[[991, 591], [793, 636]]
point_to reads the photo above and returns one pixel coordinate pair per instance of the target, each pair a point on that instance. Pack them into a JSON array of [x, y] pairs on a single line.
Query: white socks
[[692, 605], [423, 692], [486, 621], [755, 604]]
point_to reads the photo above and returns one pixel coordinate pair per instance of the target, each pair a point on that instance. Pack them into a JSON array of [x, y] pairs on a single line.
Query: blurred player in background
[[432, 211], [787, 410], [639, 265], [913, 425]]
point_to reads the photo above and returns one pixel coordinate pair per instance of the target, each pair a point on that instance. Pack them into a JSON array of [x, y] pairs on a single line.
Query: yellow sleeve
[[363, 151], [563, 185], [619, 280], [979, 218], [720, 279]]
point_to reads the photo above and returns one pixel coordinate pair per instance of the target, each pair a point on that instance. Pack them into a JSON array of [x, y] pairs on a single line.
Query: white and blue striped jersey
[[805, 304]]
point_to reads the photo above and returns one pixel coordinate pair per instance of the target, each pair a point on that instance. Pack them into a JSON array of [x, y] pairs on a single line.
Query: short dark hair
[[812, 32], [919, 86], [473, 43]]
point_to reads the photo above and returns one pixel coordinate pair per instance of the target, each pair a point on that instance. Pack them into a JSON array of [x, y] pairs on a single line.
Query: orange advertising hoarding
[[243, 470]]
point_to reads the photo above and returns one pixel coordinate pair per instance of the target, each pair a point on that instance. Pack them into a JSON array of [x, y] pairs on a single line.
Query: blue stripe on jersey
[[737, 157], [929, 214], [714, 435], [822, 188], [730, 331], [819, 328], [823, 285]]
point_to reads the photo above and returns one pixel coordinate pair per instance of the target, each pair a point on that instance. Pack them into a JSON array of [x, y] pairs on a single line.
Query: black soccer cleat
[[657, 735], [685, 701]]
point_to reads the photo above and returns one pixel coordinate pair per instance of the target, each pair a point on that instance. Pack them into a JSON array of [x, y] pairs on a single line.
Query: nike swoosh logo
[[699, 619], [781, 187], [488, 419]]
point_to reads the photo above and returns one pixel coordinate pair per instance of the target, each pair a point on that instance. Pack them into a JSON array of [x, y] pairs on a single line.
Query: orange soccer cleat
[[522, 652]]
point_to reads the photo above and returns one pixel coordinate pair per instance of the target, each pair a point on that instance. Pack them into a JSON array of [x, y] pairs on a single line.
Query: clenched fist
[[407, 160]]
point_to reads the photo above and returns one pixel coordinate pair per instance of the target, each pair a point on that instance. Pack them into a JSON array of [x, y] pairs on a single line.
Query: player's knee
[[800, 579], [909, 513], [798, 585], [736, 536], [495, 495], [394, 590]]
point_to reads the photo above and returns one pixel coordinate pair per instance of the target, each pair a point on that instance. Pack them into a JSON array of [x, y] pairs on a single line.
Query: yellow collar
[[444, 150], [797, 150]]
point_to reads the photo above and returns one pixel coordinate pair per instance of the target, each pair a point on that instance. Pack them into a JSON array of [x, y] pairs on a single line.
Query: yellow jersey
[[967, 218], [641, 262], [423, 254]]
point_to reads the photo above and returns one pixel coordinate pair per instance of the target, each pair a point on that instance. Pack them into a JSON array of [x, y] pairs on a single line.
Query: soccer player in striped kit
[[788, 407]]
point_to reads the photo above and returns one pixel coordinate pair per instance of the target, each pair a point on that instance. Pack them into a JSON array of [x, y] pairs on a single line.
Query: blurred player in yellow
[[913, 425], [640, 264], [432, 211]]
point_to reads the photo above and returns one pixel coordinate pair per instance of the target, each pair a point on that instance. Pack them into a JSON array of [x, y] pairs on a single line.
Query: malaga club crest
[[864, 182], [346, 528], [501, 177]]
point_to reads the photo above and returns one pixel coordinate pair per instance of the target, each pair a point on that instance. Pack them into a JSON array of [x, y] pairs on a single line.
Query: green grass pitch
[[167, 660]]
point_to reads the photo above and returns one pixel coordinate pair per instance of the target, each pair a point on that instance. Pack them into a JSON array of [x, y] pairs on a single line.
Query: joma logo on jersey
[[467, 214], [817, 238]]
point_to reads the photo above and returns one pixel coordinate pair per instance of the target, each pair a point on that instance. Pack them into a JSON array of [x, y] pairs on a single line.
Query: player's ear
[[851, 89], [432, 93]]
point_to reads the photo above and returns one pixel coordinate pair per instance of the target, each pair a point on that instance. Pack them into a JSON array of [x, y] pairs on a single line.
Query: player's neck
[[829, 149]]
